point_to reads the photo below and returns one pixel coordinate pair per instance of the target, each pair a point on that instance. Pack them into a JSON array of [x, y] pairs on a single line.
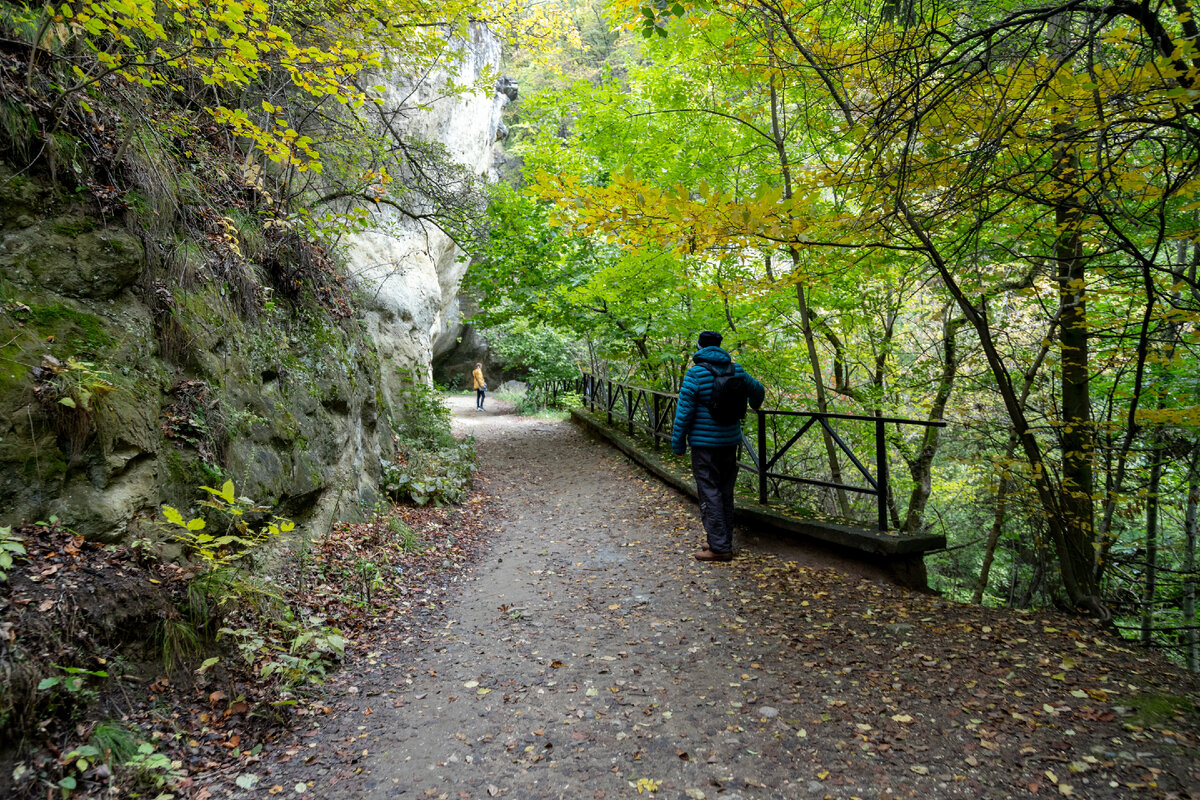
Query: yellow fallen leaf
[[904, 718], [647, 785]]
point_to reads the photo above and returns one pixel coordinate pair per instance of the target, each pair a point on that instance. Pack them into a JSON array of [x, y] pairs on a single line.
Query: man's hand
[[680, 451]]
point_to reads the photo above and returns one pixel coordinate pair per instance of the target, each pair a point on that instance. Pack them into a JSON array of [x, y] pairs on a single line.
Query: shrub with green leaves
[[534, 349], [433, 466], [421, 420], [274, 640], [12, 547], [296, 652], [238, 539], [440, 476]]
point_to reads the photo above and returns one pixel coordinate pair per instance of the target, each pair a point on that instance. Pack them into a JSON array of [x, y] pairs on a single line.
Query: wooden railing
[[774, 437]]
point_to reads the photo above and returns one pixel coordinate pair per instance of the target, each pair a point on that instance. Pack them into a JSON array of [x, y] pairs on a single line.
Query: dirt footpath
[[589, 656]]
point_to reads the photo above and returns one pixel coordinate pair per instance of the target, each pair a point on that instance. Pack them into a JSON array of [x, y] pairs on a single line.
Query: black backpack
[[727, 399]]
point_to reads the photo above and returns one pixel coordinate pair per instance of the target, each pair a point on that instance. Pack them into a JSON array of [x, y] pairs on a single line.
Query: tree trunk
[[921, 467], [1192, 635], [1012, 578], [1150, 587], [814, 359], [1075, 533], [989, 553]]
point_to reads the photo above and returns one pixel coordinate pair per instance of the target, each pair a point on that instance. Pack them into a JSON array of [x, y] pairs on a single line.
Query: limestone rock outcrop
[[126, 382], [412, 269]]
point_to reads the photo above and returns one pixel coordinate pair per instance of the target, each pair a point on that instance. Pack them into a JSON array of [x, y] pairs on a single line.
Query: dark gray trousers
[[715, 470]]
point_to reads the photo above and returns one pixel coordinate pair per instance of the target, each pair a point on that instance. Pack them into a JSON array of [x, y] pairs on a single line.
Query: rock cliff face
[[411, 268], [127, 381]]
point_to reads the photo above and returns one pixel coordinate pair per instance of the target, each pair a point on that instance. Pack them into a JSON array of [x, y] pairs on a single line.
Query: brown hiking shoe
[[709, 555]]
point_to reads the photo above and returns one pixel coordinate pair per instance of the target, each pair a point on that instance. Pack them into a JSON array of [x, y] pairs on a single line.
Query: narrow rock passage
[[588, 652]]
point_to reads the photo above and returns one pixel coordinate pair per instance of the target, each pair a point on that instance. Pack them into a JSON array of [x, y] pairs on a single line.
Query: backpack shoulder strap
[[727, 369]]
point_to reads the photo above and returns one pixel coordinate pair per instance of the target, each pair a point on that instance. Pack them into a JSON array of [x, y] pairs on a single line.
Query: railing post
[[629, 409], [654, 401], [762, 455], [881, 477], [608, 399]]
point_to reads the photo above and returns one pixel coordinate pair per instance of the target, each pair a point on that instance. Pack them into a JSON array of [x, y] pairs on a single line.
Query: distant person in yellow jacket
[[480, 385]]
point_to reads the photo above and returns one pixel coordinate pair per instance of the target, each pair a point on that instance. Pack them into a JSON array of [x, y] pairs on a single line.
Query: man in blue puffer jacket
[[714, 446]]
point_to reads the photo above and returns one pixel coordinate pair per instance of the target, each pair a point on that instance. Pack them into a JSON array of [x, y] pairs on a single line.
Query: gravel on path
[[587, 655]]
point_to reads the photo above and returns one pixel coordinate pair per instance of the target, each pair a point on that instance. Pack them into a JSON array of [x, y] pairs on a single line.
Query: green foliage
[[117, 743], [12, 547], [74, 680], [537, 350], [432, 466], [421, 420], [137, 765], [289, 647], [74, 689], [74, 384], [78, 760], [441, 476], [294, 652], [539, 400], [407, 539], [178, 640], [153, 771], [240, 538], [72, 392]]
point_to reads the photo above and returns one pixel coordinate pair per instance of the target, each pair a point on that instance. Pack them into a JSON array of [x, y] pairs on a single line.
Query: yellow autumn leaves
[[238, 44]]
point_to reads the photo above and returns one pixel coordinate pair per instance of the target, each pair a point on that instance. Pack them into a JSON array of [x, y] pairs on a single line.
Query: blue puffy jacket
[[694, 424]]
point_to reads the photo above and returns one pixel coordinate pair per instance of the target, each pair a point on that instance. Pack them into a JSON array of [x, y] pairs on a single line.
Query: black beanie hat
[[710, 339]]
